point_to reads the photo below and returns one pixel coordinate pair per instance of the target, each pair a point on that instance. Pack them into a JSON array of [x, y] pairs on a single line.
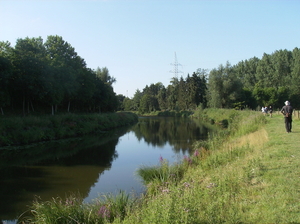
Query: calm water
[[92, 165]]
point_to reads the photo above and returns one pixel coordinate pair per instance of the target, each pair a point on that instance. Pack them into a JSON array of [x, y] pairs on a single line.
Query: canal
[[92, 165]]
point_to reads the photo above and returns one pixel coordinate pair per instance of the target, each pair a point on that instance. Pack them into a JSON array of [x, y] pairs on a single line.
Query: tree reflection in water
[[178, 132], [75, 165]]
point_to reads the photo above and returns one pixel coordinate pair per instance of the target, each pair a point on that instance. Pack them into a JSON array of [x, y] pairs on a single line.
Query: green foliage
[[25, 130], [43, 76], [249, 84], [39, 76], [104, 76]]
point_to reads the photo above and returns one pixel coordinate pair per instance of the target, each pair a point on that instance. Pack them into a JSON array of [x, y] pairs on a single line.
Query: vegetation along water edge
[[30, 129], [248, 173]]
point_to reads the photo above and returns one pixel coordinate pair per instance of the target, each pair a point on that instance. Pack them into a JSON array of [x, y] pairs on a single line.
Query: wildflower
[[161, 159], [104, 212], [186, 210], [188, 159], [186, 184], [69, 202], [166, 190], [196, 153]]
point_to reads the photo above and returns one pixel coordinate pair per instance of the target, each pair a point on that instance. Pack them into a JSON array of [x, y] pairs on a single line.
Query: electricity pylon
[[175, 68]]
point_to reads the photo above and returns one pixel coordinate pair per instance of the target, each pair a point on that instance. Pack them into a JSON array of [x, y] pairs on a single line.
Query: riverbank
[[32, 129], [250, 176]]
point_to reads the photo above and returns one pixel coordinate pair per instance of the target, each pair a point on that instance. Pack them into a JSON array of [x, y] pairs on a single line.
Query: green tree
[[104, 75], [197, 88], [225, 88], [183, 98], [127, 104], [162, 99], [282, 61], [66, 66], [136, 100], [145, 104], [264, 72], [294, 83], [215, 86], [172, 97], [265, 96], [246, 72], [6, 71], [86, 90], [121, 99], [30, 70]]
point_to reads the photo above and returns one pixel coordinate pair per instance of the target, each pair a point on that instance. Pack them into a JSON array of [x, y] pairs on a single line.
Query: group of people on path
[[266, 110], [287, 111]]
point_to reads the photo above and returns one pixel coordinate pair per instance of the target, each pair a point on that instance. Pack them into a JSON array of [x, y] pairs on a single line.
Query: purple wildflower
[[188, 159], [196, 153], [161, 159], [69, 202], [104, 212], [186, 184]]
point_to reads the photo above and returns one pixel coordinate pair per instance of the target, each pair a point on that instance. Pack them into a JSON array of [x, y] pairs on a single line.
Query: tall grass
[[104, 209], [157, 178]]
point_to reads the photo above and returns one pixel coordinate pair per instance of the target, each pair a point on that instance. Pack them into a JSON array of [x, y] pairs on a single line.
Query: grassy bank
[[249, 176], [26, 130]]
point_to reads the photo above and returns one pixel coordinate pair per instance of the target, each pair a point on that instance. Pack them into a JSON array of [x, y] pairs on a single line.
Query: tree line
[[50, 77], [251, 83]]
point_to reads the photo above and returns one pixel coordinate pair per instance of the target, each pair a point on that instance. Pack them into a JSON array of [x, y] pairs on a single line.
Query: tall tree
[[136, 100], [162, 99], [225, 88], [264, 72], [282, 61], [66, 65], [87, 87], [215, 86], [104, 75], [6, 71], [246, 72], [30, 69], [183, 99], [145, 104], [294, 84], [172, 97], [197, 88]]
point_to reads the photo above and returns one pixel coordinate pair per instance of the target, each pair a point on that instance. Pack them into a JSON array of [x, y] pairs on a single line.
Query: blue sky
[[137, 40]]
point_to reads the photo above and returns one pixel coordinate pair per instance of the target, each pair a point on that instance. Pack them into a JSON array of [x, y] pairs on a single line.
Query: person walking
[[270, 110], [264, 110], [287, 111]]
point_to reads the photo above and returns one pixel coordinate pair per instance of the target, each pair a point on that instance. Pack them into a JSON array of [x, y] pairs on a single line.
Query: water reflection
[[53, 169], [178, 132], [93, 164]]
